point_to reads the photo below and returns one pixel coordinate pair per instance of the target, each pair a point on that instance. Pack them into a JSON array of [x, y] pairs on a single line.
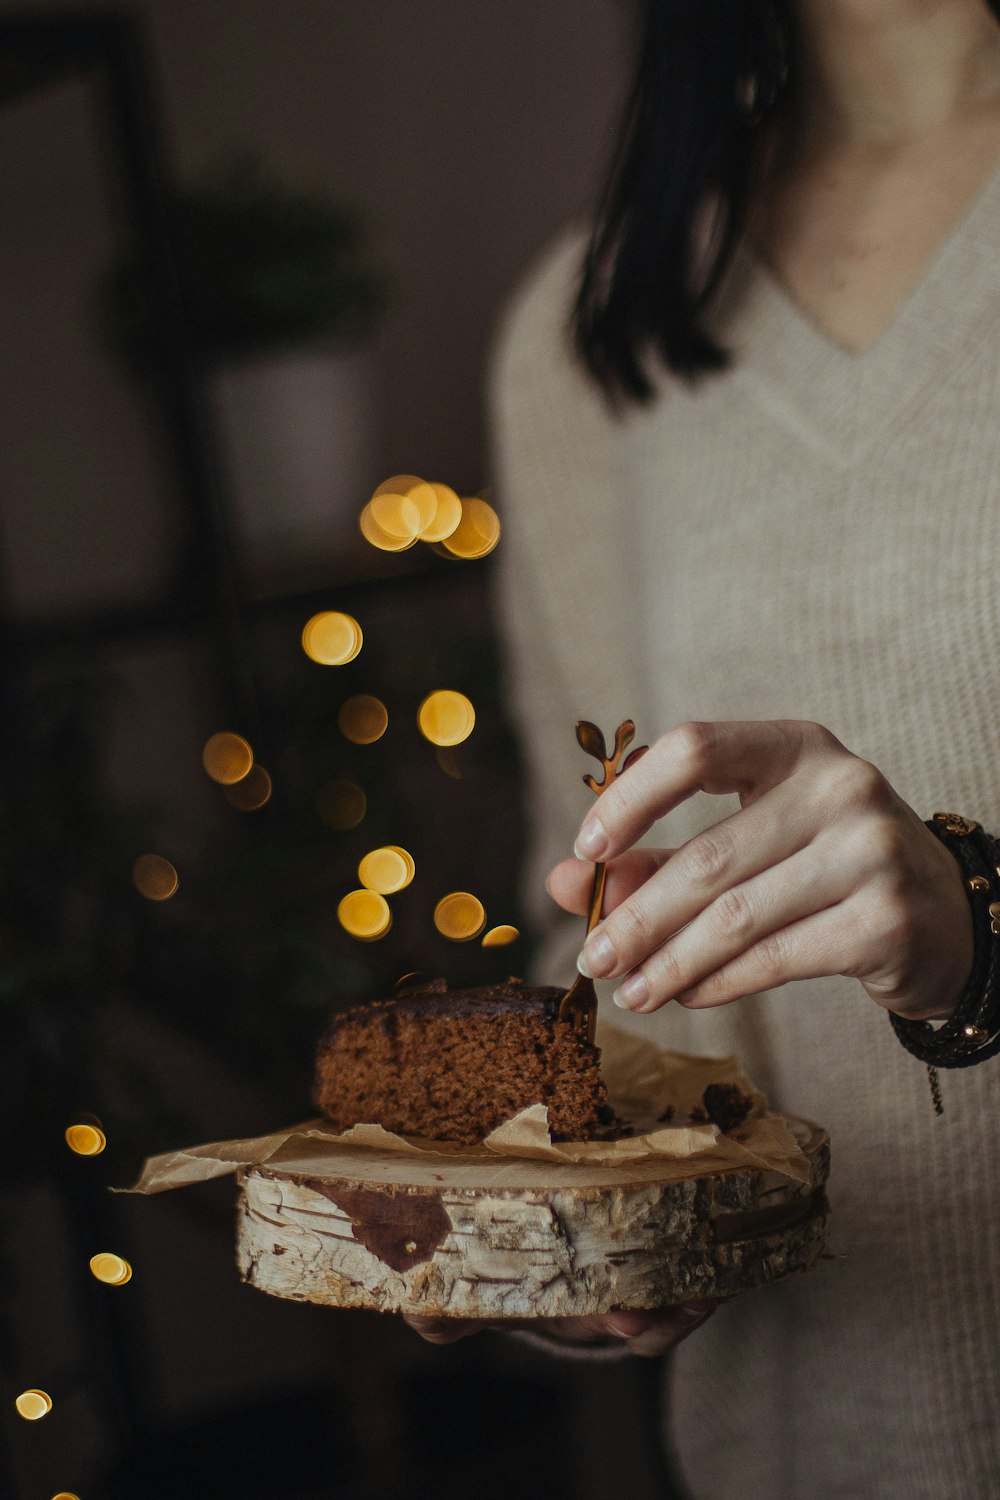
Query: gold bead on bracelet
[[975, 1033], [955, 824]]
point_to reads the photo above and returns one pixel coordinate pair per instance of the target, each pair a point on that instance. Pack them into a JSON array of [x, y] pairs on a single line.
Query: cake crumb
[[726, 1105]]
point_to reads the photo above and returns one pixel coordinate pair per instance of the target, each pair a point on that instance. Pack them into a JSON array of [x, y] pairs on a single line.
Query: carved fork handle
[[596, 897]]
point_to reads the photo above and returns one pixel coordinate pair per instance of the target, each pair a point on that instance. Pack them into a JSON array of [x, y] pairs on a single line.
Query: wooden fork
[[579, 1004]]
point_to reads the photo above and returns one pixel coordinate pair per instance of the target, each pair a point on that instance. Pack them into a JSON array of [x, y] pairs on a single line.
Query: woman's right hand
[[645, 1333]]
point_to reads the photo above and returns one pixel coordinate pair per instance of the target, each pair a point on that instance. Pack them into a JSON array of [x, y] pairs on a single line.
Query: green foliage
[[262, 268]]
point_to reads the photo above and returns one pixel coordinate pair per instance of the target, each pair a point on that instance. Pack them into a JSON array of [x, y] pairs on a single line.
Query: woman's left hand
[[824, 870]]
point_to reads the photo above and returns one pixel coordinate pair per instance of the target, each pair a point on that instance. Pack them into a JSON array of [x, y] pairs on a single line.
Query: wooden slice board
[[478, 1237]]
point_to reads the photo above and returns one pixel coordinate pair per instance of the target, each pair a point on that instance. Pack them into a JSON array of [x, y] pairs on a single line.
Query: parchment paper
[[654, 1091]]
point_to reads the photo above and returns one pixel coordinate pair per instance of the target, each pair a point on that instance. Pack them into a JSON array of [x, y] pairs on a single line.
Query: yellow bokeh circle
[[365, 914], [386, 870], [397, 484], [403, 507], [477, 533], [446, 717], [66, 1495], [407, 859], [425, 500], [332, 639], [113, 1270], [377, 537], [154, 877], [460, 916], [86, 1140], [447, 514], [499, 937], [33, 1405], [363, 719], [406, 508], [227, 758], [398, 516]]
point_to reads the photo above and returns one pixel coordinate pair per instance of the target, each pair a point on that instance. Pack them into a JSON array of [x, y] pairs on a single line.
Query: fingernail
[[592, 840], [627, 1325], [598, 956], [633, 993], [696, 1310]]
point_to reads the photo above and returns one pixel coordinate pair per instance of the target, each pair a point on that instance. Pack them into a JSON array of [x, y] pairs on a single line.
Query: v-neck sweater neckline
[[842, 401]]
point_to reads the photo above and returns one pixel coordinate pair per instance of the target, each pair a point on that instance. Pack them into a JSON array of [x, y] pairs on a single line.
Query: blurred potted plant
[[281, 301]]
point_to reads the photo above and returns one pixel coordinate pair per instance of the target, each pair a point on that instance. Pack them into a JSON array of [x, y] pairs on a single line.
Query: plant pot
[[299, 440]]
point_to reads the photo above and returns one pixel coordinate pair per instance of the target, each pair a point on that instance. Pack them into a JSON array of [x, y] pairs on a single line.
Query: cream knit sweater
[[814, 535]]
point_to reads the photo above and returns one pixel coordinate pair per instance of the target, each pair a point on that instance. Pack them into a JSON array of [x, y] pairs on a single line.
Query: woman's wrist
[[971, 1032]]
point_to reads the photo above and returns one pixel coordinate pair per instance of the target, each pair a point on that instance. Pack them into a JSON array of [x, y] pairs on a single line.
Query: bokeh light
[[32, 1405], [477, 533], [386, 870], [377, 537], [499, 937], [407, 858], [398, 516], [365, 914], [113, 1270], [397, 484], [227, 758], [154, 877], [406, 508], [447, 514], [253, 792], [425, 498], [410, 519], [446, 717], [341, 804], [459, 916], [363, 719], [66, 1495], [86, 1140], [332, 639]]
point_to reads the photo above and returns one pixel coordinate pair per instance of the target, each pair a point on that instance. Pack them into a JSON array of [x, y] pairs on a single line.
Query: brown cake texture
[[452, 1065]]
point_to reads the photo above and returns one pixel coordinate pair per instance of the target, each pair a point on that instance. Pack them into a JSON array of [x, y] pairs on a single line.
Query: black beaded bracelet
[[972, 1032]]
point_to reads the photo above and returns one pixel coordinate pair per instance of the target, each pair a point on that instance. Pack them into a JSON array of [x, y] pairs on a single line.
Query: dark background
[[136, 619]]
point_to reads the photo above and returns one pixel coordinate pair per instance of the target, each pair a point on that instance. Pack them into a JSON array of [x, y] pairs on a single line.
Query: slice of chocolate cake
[[451, 1065]]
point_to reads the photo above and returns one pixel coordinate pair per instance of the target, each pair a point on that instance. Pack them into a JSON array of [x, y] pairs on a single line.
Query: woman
[[759, 504]]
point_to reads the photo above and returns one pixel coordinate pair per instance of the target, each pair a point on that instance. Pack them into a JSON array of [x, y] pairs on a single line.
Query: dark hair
[[709, 73]]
